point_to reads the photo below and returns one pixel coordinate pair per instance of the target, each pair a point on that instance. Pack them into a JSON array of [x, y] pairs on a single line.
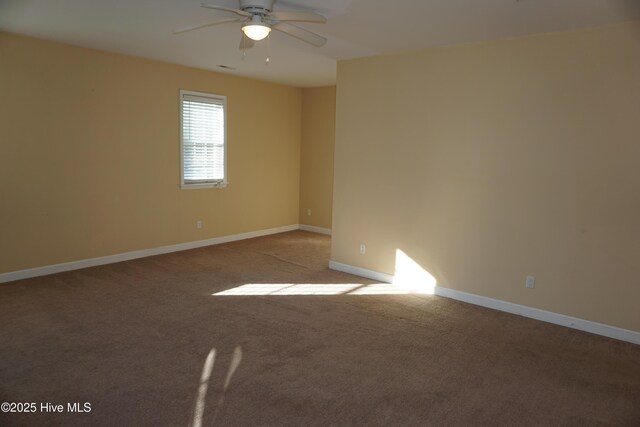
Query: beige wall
[[486, 163], [316, 155], [89, 162]]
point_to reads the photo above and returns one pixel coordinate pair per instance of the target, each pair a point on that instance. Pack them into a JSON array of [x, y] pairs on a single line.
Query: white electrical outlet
[[531, 282], [309, 212], [363, 249], [198, 224]]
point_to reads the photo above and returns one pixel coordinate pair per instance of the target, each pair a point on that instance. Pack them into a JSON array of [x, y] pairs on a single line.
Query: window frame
[[216, 99]]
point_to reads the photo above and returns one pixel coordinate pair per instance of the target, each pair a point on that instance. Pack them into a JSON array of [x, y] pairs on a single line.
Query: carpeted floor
[[135, 341]]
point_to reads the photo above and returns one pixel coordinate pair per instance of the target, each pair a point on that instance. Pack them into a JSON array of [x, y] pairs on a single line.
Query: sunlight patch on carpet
[[316, 289], [198, 411], [409, 278]]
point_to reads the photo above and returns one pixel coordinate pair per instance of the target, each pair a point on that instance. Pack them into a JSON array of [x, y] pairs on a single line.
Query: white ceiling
[[355, 28]]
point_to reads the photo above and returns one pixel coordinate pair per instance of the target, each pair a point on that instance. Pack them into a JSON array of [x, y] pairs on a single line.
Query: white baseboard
[[545, 316], [508, 307], [126, 256], [362, 272], [314, 229]]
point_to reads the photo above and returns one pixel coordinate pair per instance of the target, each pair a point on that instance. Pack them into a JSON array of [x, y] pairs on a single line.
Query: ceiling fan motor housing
[[260, 7]]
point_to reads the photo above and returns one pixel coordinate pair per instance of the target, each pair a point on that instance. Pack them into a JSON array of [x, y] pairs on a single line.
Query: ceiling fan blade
[[209, 24], [300, 33], [226, 9], [245, 42], [298, 16]]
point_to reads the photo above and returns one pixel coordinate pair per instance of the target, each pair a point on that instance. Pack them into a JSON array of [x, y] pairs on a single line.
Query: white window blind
[[203, 139]]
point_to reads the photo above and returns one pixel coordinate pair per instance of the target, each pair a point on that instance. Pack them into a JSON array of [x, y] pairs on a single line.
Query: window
[[203, 140]]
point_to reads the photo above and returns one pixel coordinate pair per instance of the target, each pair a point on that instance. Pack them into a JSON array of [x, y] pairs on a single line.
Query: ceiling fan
[[258, 19]]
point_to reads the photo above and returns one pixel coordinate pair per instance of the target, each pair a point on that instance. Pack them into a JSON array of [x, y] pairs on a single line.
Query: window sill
[[204, 185]]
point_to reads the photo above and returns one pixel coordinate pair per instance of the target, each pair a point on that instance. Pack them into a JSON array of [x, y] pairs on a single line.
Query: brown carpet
[[132, 339]]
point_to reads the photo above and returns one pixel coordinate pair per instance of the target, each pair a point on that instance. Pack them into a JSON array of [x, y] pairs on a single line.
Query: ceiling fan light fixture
[[256, 32], [256, 29]]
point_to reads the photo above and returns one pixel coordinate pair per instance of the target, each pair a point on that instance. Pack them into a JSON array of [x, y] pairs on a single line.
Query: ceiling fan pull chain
[[267, 60]]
